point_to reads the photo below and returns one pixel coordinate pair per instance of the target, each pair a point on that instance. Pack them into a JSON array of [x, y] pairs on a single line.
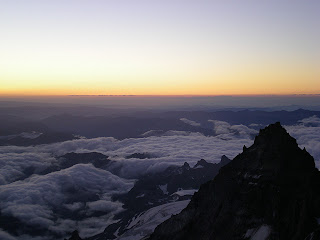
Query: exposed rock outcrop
[[269, 191]]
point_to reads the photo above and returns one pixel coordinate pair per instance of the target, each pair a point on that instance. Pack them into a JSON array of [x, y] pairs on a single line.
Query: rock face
[[157, 189], [269, 191], [75, 236], [172, 185]]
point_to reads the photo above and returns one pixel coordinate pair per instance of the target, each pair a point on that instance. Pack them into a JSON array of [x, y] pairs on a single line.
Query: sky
[[168, 47]]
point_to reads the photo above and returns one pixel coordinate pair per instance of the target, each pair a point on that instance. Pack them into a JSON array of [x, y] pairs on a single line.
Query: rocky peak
[[276, 151], [275, 135], [202, 163], [224, 160], [75, 236], [271, 188], [186, 166]]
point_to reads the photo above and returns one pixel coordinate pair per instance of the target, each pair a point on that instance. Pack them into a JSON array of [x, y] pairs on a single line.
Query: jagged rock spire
[[75, 236], [270, 190]]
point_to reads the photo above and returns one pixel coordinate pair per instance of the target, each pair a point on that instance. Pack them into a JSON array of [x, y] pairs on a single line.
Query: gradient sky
[[167, 47]]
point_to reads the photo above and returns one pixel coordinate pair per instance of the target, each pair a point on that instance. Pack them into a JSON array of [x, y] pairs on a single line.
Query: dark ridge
[[271, 191], [140, 155], [75, 236], [99, 160]]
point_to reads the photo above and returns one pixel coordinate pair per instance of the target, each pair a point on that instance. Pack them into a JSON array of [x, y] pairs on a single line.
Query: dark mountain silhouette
[[75, 236], [14, 125], [137, 123], [244, 117], [157, 189], [44, 138], [117, 127], [269, 191], [140, 155], [53, 122]]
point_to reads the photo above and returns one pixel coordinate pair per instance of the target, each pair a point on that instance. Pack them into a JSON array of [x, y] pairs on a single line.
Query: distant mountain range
[[120, 125]]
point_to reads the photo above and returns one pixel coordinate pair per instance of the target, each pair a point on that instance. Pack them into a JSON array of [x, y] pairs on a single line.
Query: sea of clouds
[[80, 197]]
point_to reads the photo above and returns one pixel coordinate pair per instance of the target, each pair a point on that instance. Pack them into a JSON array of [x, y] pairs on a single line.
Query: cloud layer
[[307, 133], [80, 197], [169, 149], [227, 131], [18, 165], [190, 122], [80, 192]]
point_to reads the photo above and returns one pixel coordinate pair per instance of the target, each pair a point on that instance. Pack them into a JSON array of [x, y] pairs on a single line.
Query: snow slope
[[146, 222]]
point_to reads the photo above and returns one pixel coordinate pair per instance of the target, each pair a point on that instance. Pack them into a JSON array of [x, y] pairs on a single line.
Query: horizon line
[[159, 95]]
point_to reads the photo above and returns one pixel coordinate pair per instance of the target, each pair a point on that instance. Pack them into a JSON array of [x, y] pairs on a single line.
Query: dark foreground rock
[[269, 191], [75, 236]]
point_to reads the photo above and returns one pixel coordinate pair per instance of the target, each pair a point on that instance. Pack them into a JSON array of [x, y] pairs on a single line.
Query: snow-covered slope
[[145, 223]]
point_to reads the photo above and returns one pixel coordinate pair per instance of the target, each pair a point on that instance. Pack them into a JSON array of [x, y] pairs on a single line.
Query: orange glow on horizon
[[241, 84], [122, 49]]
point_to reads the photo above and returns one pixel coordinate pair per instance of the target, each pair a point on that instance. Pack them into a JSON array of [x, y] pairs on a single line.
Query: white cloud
[[220, 127], [85, 190], [74, 206], [171, 149], [255, 125], [35, 200], [307, 133], [227, 131], [159, 133], [313, 121], [6, 236], [15, 166], [190, 122]]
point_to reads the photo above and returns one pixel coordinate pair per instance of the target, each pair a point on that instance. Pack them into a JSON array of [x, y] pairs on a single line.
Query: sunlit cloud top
[[167, 47]]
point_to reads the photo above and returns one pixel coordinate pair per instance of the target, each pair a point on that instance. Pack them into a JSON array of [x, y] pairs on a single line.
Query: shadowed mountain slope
[[269, 191]]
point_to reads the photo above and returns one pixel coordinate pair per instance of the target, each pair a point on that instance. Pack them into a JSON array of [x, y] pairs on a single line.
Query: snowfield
[[146, 222]]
